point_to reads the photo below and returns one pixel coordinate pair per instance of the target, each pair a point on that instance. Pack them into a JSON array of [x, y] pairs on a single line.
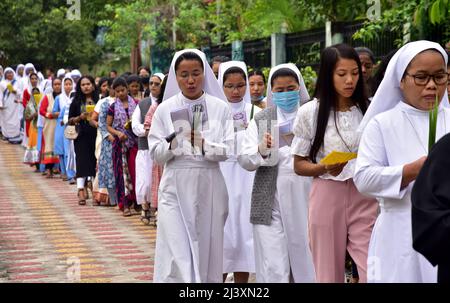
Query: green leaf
[[433, 116], [435, 14]]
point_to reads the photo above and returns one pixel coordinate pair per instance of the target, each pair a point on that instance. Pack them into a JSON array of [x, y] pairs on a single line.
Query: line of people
[[235, 177], [259, 180]]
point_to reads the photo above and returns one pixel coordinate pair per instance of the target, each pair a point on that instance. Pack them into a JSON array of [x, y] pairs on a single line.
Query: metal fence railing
[[304, 48]]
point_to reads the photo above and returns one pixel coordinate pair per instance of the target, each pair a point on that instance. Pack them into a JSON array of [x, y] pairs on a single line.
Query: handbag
[[30, 110], [71, 132]]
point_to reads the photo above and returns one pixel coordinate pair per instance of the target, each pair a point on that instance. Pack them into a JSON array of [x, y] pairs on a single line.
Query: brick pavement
[[44, 233]]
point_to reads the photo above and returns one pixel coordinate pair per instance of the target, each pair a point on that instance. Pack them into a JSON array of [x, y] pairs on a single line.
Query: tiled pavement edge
[[44, 233]]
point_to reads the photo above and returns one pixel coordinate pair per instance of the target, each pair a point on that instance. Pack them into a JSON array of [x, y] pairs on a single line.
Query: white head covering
[[64, 99], [304, 95], [41, 76], [45, 84], [223, 67], [28, 66], [29, 86], [159, 75], [9, 69], [389, 94], [17, 70], [210, 84], [75, 73], [60, 73]]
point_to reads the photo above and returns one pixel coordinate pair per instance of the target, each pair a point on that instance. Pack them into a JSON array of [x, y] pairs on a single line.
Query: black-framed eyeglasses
[[423, 79], [155, 83]]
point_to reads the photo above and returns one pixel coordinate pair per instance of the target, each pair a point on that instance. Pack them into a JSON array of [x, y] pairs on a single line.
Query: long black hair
[[162, 89], [326, 92], [80, 97], [257, 72], [100, 83], [135, 78]]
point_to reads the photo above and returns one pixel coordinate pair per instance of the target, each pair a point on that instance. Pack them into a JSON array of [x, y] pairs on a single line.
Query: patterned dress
[[106, 177], [124, 153]]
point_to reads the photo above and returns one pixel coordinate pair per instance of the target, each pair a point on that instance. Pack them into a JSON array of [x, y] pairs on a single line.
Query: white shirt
[[136, 124], [218, 137], [98, 106], [391, 140], [250, 158], [346, 140]]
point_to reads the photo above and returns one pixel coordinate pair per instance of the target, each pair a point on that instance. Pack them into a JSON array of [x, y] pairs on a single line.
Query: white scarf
[[304, 95], [223, 67], [64, 100], [389, 94], [210, 84], [18, 77]]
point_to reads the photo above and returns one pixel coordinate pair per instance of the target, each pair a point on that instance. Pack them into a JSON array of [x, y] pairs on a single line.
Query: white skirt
[[282, 248], [391, 257], [144, 164], [238, 250], [192, 209]]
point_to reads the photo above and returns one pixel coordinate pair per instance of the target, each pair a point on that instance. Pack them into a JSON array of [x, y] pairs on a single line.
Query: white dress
[[282, 252], [9, 115], [391, 140], [192, 196], [239, 255], [144, 162]]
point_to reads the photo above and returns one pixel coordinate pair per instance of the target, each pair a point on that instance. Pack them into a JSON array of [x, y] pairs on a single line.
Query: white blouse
[[250, 158], [344, 140]]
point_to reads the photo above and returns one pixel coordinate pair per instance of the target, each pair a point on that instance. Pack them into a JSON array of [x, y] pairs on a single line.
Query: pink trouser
[[340, 219]]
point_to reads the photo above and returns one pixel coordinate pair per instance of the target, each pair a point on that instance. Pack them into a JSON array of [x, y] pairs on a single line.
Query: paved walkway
[[45, 236]]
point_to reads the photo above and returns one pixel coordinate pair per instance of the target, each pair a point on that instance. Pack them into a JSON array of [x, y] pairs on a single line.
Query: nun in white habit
[[279, 211], [192, 199], [239, 255], [24, 81], [20, 72], [9, 115], [393, 148]]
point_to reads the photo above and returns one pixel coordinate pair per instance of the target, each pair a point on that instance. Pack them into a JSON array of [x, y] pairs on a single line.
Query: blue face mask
[[286, 101]]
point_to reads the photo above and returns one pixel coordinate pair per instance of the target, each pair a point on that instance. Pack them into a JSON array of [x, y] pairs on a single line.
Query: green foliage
[[422, 14], [39, 32], [310, 78], [196, 23], [128, 24]]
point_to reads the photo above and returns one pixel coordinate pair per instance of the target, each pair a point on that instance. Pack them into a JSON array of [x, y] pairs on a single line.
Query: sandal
[[126, 212], [155, 218], [104, 200], [146, 216], [81, 197], [135, 210], [49, 174]]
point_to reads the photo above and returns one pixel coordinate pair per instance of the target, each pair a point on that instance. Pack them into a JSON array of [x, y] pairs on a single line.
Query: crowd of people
[[229, 164]]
